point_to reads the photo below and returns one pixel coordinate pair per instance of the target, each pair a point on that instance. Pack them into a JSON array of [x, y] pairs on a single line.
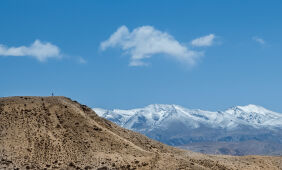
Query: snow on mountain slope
[[159, 115], [256, 115]]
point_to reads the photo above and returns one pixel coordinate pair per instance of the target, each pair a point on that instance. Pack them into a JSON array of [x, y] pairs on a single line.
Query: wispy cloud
[[259, 40], [204, 41], [39, 50], [82, 60], [146, 41]]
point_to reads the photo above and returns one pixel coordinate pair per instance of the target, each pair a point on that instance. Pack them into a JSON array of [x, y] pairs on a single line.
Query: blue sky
[[57, 46]]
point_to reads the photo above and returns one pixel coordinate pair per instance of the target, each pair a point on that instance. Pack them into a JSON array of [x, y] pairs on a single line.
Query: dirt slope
[[56, 132]]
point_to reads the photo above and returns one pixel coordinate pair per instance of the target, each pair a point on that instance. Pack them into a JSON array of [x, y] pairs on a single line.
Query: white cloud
[[39, 50], [204, 41], [146, 41], [259, 40]]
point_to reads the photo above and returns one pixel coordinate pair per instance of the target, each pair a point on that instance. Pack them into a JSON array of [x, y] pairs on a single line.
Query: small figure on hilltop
[[52, 94]]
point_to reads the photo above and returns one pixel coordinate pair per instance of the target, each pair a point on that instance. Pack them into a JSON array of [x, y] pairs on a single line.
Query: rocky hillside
[[58, 133]]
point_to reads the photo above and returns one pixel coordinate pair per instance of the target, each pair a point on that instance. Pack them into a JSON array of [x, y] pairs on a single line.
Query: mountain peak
[[160, 107], [251, 108]]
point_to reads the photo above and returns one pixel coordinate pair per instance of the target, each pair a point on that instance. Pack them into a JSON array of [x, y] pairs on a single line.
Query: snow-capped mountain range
[[176, 125], [157, 115]]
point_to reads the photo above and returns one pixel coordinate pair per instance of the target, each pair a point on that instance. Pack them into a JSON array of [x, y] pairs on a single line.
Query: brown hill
[[56, 132]]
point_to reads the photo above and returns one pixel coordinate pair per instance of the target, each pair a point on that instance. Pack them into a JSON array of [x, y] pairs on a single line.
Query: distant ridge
[[205, 131]]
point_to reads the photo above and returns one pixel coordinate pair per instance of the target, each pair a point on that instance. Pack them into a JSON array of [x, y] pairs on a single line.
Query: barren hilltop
[[58, 133]]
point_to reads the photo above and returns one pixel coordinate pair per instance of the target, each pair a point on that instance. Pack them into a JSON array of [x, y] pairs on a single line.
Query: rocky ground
[[58, 133]]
